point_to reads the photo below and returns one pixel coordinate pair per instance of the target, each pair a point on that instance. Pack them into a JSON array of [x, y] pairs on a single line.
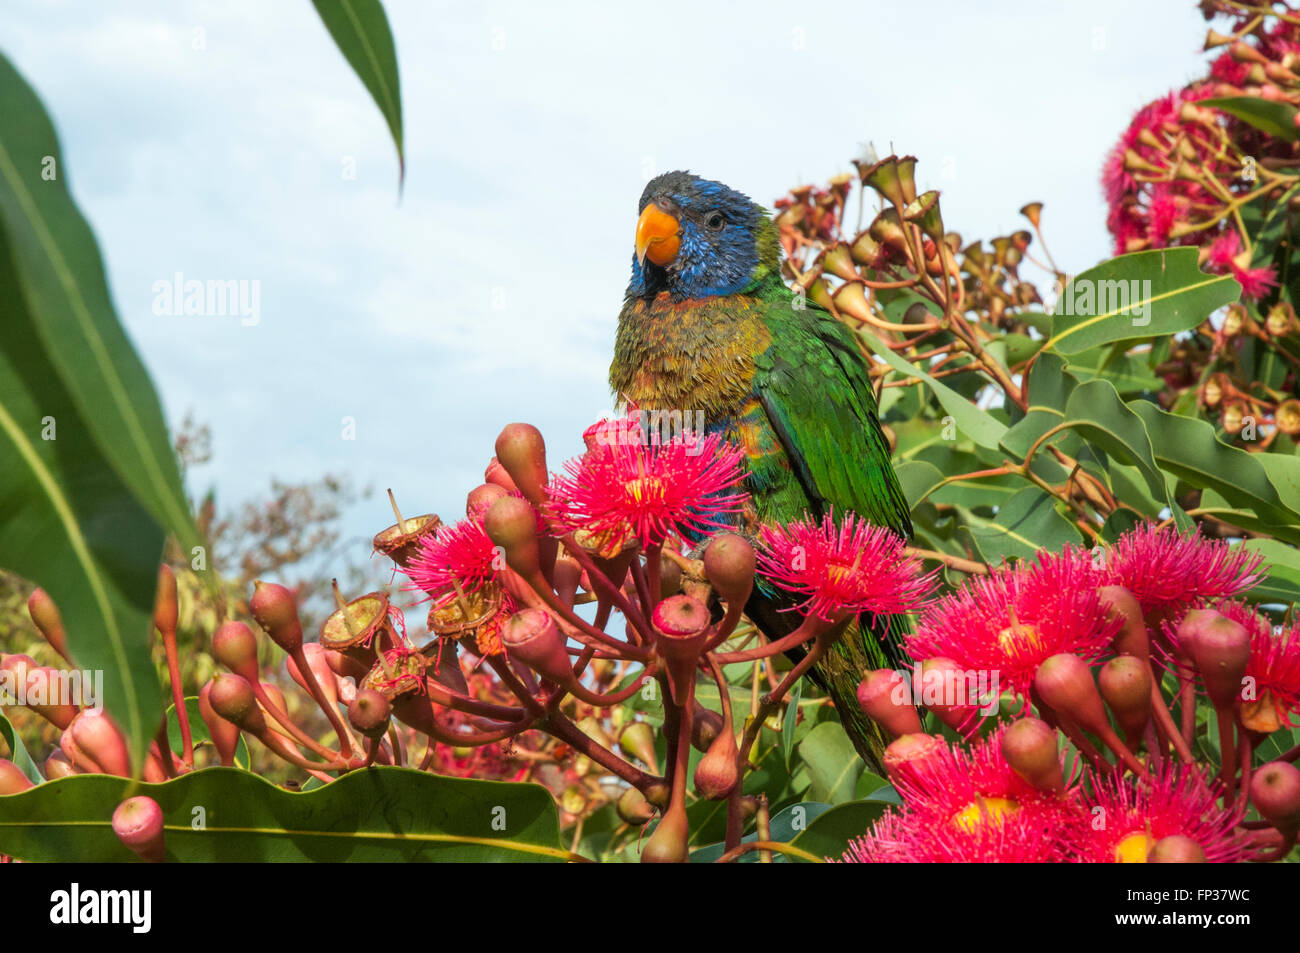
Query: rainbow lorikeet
[[708, 325]]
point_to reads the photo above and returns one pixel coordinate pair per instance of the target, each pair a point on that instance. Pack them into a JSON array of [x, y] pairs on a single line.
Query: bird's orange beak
[[658, 236]]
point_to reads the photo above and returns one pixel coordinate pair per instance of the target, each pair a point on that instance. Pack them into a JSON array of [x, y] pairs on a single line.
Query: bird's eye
[[715, 221]]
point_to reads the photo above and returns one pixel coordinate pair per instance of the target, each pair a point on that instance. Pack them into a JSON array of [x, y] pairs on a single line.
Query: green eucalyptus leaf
[[360, 30], [378, 815], [1025, 524], [18, 751], [1144, 294], [1276, 119]]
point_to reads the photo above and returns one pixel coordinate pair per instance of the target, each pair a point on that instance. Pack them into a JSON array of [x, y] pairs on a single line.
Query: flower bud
[[96, 735], [45, 614], [316, 661], [511, 523], [43, 683], [497, 476], [232, 698], [638, 741], [668, 844], [1220, 650], [706, 725], [1030, 746], [907, 755], [633, 808], [716, 775], [224, 734], [12, 780], [729, 566], [1176, 849], [876, 694], [481, 498], [1125, 684], [165, 608], [370, 713], [532, 637], [522, 452], [1275, 792], [1132, 638], [954, 688], [58, 766], [235, 646], [1064, 683], [276, 611], [138, 823]]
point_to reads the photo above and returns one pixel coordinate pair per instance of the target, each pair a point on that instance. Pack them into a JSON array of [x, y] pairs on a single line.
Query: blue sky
[[213, 139]]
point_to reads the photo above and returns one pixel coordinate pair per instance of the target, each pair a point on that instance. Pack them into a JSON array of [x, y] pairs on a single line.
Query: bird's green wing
[[814, 387]]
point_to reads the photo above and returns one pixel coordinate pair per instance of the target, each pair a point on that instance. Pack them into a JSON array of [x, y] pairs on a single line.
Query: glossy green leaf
[[361, 32], [17, 751], [1145, 294], [59, 276], [1189, 450], [832, 763], [790, 721], [199, 733], [971, 421], [784, 826], [69, 523], [1277, 119], [1048, 389], [830, 833], [1282, 562], [1025, 524], [378, 815]]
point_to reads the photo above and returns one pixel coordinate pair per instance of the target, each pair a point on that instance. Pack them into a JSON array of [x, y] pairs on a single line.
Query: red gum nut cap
[[511, 523], [138, 823], [532, 637], [729, 566], [1275, 792], [1030, 746], [235, 646], [276, 611], [876, 694], [96, 735], [1220, 650], [681, 618], [522, 451]]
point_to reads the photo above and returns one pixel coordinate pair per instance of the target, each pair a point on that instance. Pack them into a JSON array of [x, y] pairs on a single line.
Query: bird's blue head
[[697, 238]]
